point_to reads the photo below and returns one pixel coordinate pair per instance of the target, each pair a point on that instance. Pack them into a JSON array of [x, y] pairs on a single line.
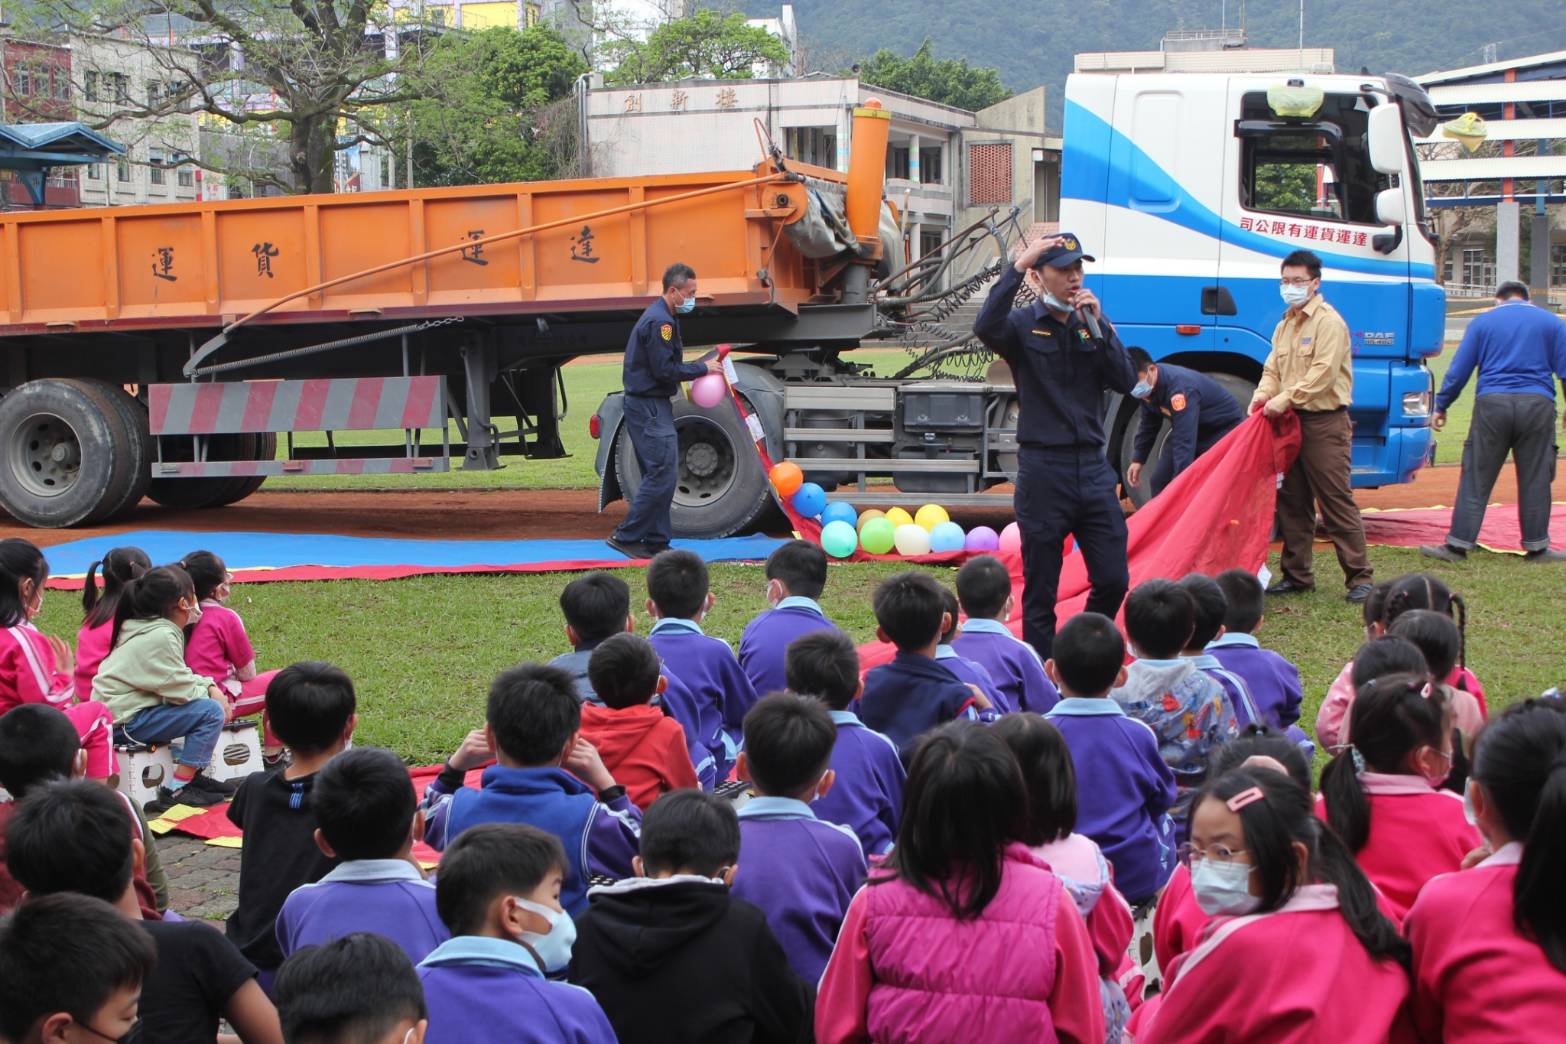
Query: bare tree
[[1452, 221]]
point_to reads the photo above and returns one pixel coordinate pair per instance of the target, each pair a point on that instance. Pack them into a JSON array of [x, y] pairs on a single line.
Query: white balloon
[[912, 539]]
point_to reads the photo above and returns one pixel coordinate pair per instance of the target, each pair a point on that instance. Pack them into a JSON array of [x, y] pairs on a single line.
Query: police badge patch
[[1177, 402], [667, 330]]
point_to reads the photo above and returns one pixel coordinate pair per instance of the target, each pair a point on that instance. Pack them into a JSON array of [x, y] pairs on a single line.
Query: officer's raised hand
[[1029, 258]]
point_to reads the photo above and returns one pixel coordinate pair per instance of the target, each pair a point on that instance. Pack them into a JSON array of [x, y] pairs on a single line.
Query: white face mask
[[1051, 301], [1223, 888], [1468, 803], [194, 611], [1294, 296], [1142, 390], [554, 947]]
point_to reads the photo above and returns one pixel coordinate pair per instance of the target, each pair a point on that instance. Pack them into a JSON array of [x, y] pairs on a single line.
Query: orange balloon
[[786, 478]]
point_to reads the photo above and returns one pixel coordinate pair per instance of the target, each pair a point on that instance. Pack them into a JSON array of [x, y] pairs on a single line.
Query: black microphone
[[1088, 317]]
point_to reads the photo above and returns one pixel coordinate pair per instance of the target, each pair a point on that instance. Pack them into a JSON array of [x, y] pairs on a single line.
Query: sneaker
[[187, 795], [281, 759], [222, 788], [1544, 554], [1444, 552]]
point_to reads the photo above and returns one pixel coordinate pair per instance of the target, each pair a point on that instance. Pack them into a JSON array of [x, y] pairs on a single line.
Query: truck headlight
[[1416, 404]]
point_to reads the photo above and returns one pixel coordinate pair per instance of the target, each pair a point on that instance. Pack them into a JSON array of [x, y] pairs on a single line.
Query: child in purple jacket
[[966, 670], [544, 775], [867, 788], [1211, 608], [678, 597], [365, 816], [984, 592], [796, 576], [499, 891], [360, 987], [799, 870], [1274, 682]]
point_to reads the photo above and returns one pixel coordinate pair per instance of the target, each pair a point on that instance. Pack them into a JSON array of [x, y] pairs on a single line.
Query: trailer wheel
[[190, 494], [63, 456], [721, 488], [138, 443]]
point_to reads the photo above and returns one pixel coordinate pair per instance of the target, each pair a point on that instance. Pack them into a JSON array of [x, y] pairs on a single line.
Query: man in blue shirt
[[652, 373], [1198, 409], [1516, 348]]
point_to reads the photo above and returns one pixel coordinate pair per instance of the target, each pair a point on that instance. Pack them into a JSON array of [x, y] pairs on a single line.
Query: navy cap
[[1067, 252]]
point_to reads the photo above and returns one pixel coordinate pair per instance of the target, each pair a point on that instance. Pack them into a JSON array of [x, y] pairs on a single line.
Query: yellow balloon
[[898, 517], [931, 515], [868, 515]]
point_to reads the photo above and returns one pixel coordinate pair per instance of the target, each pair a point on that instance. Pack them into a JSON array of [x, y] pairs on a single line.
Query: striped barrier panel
[[328, 466], [326, 404]]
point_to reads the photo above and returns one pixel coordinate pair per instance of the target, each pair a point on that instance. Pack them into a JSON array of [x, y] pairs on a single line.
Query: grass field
[[422, 651]]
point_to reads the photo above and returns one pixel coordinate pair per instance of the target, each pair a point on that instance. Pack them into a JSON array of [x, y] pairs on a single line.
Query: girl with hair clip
[[119, 565], [963, 933], [1490, 943], [1437, 638], [218, 647], [36, 667], [1279, 885], [1051, 781], [1381, 794], [154, 696]]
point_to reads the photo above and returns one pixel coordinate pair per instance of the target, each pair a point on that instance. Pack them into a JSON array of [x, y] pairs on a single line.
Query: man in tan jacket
[[1310, 370]]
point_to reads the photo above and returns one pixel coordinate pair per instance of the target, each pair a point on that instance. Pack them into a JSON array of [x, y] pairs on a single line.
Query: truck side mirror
[[1385, 137], [1390, 209]]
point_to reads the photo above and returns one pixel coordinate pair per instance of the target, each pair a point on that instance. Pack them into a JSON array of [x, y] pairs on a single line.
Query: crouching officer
[[652, 373], [1199, 412], [1062, 354]]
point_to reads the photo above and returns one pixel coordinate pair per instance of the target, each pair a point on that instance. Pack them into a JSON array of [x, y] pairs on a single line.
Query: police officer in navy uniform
[[1065, 485], [1199, 412], [654, 367]]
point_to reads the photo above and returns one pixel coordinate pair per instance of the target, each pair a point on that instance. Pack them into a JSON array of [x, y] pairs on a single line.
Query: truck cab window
[[1315, 168]]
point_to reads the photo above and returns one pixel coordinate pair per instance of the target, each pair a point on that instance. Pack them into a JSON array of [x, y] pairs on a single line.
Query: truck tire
[[64, 456], [263, 446], [721, 488], [190, 494], [1238, 387], [133, 416]]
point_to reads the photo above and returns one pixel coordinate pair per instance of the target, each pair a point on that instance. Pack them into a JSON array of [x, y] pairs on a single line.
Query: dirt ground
[[523, 514]]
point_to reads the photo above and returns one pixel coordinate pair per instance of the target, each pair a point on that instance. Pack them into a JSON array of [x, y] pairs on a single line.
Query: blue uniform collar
[[1234, 639], [800, 602], [660, 308], [1205, 660], [1086, 707], [775, 808], [945, 652], [365, 871], [844, 717], [917, 663], [979, 625], [676, 625], [482, 950]]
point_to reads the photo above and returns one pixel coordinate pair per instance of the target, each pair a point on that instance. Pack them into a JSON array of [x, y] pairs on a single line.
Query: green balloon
[[878, 536], [838, 539]]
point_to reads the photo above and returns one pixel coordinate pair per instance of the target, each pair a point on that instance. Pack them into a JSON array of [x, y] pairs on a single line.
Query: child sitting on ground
[[1211, 608], [89, 990], [984, 591], [913, 693], [544, 774], [311, 707], [867, 787], [360, 989], [153, 695], [365, 814], [595, 606], [120, 564], [641, 746], [796, 576], [1188, 710], [1273, 682], [35, 668], [672, 955], [72, 838], [966, 670], [499, 892], [1437, 639], [1124, 787], [800, 870], [678, 598], [217, 646]]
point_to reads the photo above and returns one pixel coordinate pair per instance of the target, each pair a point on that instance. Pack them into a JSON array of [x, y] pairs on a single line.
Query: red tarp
[[1216, 515], [1502, 530]]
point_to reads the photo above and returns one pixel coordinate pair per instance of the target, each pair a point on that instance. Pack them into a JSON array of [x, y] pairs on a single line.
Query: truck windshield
[[1317, 168]]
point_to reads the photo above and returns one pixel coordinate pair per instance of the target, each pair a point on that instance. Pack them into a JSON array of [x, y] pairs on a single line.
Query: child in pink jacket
[[963, 933], [217, 646]]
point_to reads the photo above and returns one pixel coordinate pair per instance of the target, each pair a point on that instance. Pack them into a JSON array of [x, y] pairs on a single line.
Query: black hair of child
[[624, 670], [596, 605], [66, 953], [983, 585], [207, 572], [802, 566], [1384, 656], [38, 744], [1257, 740], [1211, 608], [788, 743], [824, 664], [491, 860], [689, 831], [19, 560], [350, 990], [1160, 618], [119, 564], [1049, 773], [71, 837], [151, 595], [1436, 636], [1089, 652], [909, 608], [677, 584], [309, 705], [533, 710], [364, 804], [1245, 599], [1424, 591]]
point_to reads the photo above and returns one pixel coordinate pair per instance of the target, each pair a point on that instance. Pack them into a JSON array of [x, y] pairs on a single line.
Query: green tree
[[950, 81], [705, 44], [491, 108]]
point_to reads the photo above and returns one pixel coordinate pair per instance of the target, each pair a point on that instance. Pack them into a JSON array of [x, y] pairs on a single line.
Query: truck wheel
[[721, 488], [63, 456], [262, 447], [191, 494], [133, 416]]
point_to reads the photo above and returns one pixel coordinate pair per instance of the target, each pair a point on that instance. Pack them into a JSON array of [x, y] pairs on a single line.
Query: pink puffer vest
[[940, 979]]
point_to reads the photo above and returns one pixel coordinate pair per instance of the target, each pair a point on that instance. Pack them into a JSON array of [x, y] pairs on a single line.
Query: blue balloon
[[809, 500], [946, 536], [840, 511]]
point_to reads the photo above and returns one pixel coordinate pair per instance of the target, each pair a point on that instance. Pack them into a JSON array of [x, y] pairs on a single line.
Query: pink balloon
[[981, 539], [709, 390], [1011, 538]]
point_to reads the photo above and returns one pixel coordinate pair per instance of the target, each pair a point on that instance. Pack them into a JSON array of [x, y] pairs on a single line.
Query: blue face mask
[[1223, 888], [1142, 390], [553, 948], [686, 306]]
